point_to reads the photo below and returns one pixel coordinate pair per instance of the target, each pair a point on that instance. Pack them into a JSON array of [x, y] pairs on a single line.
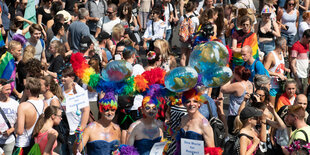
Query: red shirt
[[300, 51]]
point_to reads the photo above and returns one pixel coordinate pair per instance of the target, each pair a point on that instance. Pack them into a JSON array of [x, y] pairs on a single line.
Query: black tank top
[[265, 35]]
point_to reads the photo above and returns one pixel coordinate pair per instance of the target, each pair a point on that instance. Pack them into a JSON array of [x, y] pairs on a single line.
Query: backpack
[[218, 129], [232, 146], [255, 69], [186, 28]]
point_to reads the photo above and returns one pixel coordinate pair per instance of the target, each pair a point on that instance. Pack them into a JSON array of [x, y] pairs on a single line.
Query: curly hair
[[33, 68]]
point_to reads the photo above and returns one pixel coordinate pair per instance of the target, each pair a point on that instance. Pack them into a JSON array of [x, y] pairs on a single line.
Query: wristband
[[78, 134]]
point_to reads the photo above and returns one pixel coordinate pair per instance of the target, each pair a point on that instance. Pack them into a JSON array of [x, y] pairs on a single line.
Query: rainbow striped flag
[[1, 40], [251, 41], [7, 66]]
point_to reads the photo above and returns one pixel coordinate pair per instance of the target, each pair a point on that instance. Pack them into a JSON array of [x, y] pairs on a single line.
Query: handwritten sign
[[76, 101], [158, 148], [190, 147]]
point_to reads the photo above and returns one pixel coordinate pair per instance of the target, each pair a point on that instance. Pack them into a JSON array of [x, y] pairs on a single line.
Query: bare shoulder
[[205, 123], [134, 124], [159, 123], [116, 127], [91, 126], [184, 119], [53, 132]]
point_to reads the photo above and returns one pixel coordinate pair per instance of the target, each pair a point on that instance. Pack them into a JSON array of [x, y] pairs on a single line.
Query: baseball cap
[[266, 9], [103, 35], [249, 112], [85, 42]]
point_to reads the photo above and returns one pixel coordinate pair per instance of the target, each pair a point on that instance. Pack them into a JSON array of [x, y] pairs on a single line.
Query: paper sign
[[190, 147], [158, 148], [77, 101]]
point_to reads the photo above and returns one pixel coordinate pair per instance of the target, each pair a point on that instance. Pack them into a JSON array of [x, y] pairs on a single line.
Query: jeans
[[67, 149], [266, 47], [168, 34], [143, 18], [290, 39]]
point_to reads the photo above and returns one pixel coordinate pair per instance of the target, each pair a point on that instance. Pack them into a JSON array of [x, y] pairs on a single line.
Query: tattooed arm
[[207, 132]]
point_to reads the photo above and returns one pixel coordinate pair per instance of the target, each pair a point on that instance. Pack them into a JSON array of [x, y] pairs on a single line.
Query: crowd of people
[[268, 93]]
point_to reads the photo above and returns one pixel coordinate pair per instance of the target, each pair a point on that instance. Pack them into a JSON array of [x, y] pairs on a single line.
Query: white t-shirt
[[303, 26], [167, 16], [74, 120], [159, 30], [92, 96], [10, 110], [106, 24]]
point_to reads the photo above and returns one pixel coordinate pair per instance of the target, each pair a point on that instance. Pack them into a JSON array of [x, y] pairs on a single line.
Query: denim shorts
[[266, 47], [290, 39]]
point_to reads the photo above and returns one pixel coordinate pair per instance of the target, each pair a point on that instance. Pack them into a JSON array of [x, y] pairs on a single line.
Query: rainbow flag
[[1, 40], [7, 66], [251, 41]]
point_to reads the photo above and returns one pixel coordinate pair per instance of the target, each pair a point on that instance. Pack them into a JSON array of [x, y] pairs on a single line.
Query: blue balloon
[[181, 79], [216, 77], [209, 55], [117, 71]]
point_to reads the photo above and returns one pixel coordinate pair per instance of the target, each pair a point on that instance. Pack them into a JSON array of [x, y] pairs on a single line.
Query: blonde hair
[[29, 52], [13, 44], [59, 47], [238, 124], [164, 48], [118, 29]]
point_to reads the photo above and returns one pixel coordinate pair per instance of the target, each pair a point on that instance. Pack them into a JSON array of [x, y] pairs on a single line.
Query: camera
[[253, 98]]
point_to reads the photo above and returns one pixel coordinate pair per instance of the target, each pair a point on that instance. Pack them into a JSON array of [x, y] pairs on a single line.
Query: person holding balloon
[[237, 91], [194, 125]]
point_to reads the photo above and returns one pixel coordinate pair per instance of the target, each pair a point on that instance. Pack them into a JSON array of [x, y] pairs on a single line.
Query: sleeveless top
[[48, 101], [42, 140], [24, 139], [290, 21], [235, 102], [101, 147], [144, 146], [267, 34], [277, 68]]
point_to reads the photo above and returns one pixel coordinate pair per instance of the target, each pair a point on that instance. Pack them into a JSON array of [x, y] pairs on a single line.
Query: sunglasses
[[110, 12], [291, 4], [147, 108], [267, 14]]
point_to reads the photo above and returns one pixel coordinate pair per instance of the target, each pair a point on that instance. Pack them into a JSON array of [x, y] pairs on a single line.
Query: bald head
[[246, 53], [301, 99], [247, 49]]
